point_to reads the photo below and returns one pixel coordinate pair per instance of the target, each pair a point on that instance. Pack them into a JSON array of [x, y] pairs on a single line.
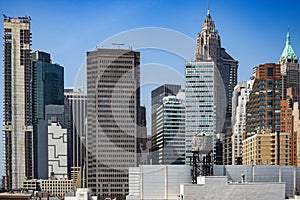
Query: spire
[[208, 8], [208, 22], [288, 39], [288, 52]]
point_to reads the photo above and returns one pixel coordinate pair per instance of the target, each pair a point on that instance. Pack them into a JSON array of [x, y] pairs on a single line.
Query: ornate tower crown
[[208, 22], [288, 54], [208, 46]]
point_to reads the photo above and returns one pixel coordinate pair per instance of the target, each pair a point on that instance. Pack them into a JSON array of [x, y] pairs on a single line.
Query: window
[[270, 71]]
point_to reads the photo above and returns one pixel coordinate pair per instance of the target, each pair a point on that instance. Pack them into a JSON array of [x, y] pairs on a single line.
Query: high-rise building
[[290, 74], [209, 48], [287, 126], [17, 101], [170, 128], [296, 123], [239, 100], [292, 104], [157, 96], [113, 103], [205, 106], [290, 71], [75, 116], [263, 107], [57, 149], [42, 140], [229, 76], [210, 80], [47, 89]]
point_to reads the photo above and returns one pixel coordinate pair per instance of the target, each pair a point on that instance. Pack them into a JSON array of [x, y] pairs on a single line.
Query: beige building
[[56, 187], [76, 177], [296, 123], [266, 148], [17, 101]]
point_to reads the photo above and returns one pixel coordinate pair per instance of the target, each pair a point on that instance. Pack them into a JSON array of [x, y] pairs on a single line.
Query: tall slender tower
[[208, 47], [113, 104], [290, 71], [208, 42], [47, 89], [17, 101], [210, 80]]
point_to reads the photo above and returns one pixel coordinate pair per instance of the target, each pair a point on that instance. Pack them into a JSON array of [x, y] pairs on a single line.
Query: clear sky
[[252, 31]]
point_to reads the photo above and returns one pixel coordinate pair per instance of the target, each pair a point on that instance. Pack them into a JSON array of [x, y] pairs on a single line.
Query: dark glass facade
[[47, 89]]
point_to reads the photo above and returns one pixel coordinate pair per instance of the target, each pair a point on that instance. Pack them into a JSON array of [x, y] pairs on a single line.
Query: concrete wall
[[262, 173], [155, 182], [218, 188]]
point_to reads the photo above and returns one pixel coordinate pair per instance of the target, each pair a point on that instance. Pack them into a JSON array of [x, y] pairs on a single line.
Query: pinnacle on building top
[[288, 52], [208, 22]]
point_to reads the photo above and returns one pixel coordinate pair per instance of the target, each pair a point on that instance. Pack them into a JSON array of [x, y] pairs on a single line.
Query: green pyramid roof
[[288, 52]]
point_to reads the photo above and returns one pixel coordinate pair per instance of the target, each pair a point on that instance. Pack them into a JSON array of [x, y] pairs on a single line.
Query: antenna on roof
[[208, 7], [117, 44]]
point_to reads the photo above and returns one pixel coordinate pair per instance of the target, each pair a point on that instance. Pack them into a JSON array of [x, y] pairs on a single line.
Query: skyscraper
[[47, 89], [17, 101], [290, 75], [75, 116], [170, 129], [229, 76], [157, 96], [289, 67], [57, 149], [263, 107], [239, 100], [210, 80], [113, 103]]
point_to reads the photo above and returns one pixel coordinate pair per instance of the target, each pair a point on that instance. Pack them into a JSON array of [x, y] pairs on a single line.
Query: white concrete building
[[205, 105], [157, 181], [239, 99], [173, 182], [57, 149], [170, 128]]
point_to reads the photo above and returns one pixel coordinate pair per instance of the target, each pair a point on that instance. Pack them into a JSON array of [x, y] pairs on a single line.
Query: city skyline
[[249, 46], [241, 32]]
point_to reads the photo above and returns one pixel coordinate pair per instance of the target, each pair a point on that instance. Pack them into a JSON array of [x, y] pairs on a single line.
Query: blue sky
[[252, 31]]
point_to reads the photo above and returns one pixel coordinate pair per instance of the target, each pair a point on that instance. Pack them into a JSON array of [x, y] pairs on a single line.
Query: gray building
[[42, 141], [75, 116], [113, 104], [17, 97], [229, 76], [157, 96]]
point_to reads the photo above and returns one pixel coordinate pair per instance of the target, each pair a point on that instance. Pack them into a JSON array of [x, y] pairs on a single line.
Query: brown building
[[263, 107], [266, 148], [287, 126]]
